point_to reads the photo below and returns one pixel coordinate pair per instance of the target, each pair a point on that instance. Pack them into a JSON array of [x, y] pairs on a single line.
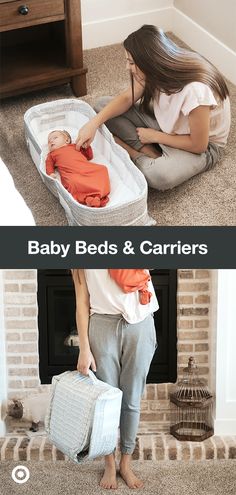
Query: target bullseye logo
[[20, 474]]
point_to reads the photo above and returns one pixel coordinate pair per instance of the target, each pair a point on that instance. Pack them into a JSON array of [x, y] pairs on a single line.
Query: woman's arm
[[119, 105], [86, 358], [195, 142]]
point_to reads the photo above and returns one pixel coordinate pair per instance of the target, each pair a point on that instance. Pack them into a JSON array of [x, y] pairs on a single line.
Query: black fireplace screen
[[58, 340]]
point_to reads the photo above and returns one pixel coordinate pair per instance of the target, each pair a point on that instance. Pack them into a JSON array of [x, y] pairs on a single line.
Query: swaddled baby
[[88, 183]]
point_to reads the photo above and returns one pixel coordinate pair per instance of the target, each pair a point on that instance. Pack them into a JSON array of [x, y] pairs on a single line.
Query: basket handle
[[92, 377]]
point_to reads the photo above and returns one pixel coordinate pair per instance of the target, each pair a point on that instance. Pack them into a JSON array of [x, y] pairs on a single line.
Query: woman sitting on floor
[[183, 117]]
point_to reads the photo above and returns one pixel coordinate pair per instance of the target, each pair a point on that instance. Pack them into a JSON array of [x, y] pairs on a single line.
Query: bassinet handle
[[92, 376]]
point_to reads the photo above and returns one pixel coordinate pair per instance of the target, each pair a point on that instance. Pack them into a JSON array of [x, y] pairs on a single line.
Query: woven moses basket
[[83, 416], [128, 197]]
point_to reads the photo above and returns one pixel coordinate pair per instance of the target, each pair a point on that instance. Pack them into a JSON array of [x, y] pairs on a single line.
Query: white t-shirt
[[172, 111], [106, 297]]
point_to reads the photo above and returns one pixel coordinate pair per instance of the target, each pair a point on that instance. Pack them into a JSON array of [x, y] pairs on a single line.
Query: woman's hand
[[147, 136], [86, 135], [195, 142], [86, 360]]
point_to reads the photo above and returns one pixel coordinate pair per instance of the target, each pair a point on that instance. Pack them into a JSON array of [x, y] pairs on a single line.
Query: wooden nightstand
[[41, 46]]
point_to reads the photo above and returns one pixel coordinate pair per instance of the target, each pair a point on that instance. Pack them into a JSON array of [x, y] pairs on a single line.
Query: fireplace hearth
[[58, 343]]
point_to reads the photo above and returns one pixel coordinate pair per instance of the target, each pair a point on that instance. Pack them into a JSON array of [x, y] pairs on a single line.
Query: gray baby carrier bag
[[83, 415]]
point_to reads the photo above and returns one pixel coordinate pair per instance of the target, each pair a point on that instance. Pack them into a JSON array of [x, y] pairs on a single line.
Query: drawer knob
[[23, 10]]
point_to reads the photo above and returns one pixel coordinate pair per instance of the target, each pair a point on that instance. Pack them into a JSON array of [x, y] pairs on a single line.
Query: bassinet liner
[[128, 197], [83, 415]]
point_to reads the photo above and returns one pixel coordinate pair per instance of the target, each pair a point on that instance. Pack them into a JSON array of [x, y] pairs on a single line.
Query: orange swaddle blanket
[[88, 183], [130, 280]]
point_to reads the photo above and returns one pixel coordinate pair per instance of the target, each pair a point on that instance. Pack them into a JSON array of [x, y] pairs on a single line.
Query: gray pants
[[174, 166], [123, 354]]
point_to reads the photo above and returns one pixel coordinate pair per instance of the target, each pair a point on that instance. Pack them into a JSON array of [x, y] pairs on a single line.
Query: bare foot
[[150, 150], [147, 149], [130, 478], [132, 152], [108, 480]]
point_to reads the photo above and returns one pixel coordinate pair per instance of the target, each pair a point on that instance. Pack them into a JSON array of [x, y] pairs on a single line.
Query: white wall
[[106, 22], [216, 16], [3, 379], [203, 41], [225, 413], [213, 332], [207, 26]]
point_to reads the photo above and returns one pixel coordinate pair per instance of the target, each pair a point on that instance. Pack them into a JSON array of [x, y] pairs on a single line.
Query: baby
[[88, 183]]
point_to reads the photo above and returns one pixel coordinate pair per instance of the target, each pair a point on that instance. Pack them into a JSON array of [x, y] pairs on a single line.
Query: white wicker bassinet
[[128, 198], [83, 416]]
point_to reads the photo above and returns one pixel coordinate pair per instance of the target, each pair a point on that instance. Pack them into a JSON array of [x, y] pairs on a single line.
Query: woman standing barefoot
[[117, 340]]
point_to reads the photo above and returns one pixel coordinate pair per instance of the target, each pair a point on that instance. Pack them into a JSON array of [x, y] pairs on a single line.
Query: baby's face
[[56, 139]]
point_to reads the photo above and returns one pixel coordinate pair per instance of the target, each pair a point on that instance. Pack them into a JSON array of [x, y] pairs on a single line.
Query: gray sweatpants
[[123, 354], [174, 166]]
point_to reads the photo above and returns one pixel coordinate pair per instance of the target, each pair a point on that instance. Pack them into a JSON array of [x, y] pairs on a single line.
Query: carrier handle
[[92, 377]]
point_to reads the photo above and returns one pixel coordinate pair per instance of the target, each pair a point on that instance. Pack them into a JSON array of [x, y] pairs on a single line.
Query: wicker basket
[[128, 198], [83, 416]]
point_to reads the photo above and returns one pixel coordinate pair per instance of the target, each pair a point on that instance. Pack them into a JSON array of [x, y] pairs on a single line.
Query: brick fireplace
[[195, 295], [57, 326], [21, 311]]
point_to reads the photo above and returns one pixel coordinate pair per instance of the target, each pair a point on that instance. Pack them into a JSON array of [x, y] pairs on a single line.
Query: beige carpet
[[208, 199], [160, 478]]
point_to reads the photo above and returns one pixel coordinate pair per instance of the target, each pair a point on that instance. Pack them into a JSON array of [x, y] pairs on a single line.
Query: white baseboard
[[3, 429], [115, 30], [225, 427], [205, 43]]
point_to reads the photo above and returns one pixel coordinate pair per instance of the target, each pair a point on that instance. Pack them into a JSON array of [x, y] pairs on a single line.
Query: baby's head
[[57, 139]]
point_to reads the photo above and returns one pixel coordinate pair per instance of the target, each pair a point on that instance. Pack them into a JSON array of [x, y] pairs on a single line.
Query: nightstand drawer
[[20, 13]]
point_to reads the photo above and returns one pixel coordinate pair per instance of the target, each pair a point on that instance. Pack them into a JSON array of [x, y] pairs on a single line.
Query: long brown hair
[[167, 67]]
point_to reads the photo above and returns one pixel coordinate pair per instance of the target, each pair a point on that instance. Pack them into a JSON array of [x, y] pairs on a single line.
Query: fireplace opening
[[58, 341]]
